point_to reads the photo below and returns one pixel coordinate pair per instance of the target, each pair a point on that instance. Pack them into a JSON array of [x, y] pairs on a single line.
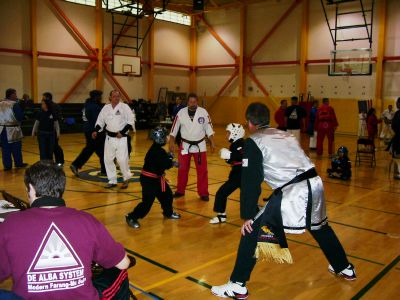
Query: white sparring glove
[[225, 153]]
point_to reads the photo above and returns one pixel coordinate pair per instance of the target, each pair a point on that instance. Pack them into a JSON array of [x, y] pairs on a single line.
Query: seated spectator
[[341, 165], [48, 249]]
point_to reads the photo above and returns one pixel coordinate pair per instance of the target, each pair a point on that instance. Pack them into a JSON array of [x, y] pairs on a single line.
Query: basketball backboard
[[350, 62], [126, 65]]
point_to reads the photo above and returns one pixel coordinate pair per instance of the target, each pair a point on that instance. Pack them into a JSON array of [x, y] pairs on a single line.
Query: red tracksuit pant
[[201, 169], [321, 133]]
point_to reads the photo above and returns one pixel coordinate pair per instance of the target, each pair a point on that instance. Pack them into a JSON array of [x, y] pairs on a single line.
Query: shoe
[[7, 169], [132, 222], [394, 177], [173, 216], [230, 290], [110, 185], [60, 165], [101, 174], [218, 219], [205, 198], [24, 165], [348, 274], [178, 195], [74, 170], [125, 185]]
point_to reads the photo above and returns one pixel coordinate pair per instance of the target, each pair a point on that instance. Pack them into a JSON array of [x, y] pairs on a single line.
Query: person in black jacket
[[233, 156], [46, 128], [395, 143], [152, 180], [91, 111]]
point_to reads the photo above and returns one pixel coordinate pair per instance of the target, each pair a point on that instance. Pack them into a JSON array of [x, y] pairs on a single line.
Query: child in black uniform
[[341, 165], [233, 156], [153, 182]]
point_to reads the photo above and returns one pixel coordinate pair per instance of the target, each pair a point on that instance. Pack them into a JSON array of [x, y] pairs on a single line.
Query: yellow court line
[[186, 273]]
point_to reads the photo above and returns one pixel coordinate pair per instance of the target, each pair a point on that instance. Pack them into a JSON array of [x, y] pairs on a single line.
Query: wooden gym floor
[[182, 259]]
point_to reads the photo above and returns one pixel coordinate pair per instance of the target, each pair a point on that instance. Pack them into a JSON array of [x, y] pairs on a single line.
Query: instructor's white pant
[[116, 148]]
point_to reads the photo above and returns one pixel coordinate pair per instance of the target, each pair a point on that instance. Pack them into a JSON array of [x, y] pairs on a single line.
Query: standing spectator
[[295, 118], [372, 124], [362, 124], [116, 119], [11, 135], [194, 124], [387, 117], [325, 124], [58, 151], [91, 111], [310, 129], [395, 144], [177, 107], [48, 249], [297, 204], [47, 129], [280, 115]]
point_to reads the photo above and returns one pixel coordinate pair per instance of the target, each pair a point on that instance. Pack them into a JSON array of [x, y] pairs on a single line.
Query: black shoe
[[24, 165], [74, 170], [125, 185], [110, 185], [7, 169], [173, 216], [178, 195], [132, 222], [205, 198], [102, 174]]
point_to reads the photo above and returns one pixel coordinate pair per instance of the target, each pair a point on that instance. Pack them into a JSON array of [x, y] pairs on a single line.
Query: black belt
[[113, 134], [10, 125], [196, 144]]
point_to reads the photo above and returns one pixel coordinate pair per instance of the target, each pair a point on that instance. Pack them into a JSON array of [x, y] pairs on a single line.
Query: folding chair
[[365, 152]]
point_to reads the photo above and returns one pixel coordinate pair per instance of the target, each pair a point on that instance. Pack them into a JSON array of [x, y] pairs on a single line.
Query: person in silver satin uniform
[[276, 157]]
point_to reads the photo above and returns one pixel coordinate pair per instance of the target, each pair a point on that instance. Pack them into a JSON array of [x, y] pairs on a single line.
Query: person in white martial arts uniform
[[194, 124], [116, 119]]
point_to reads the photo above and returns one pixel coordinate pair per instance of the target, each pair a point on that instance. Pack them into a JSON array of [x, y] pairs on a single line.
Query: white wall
[[172, 46]]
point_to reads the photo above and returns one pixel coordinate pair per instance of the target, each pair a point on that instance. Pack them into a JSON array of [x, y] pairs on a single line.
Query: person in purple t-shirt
[[48, 249]]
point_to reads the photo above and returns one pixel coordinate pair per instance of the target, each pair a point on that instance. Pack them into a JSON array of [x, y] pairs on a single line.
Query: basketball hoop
[[348, 71], [129, 74]]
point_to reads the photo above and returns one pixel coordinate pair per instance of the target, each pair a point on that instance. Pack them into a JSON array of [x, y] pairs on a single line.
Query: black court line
[[357, 227], [375, 280], [377, 210], [153, 262], [111, 204], [199, 282]]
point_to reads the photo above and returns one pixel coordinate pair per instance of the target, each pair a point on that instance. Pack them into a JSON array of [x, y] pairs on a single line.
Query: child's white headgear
[[236, 131]]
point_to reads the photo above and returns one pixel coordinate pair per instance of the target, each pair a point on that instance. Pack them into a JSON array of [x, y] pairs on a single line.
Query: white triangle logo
[[55, 252]]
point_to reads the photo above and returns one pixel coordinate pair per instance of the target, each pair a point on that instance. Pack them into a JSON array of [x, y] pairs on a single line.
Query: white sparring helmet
[[236, 131]]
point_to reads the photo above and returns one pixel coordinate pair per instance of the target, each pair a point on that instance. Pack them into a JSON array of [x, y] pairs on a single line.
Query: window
[[168, 15]]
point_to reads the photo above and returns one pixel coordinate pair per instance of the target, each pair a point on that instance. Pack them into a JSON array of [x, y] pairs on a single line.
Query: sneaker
[[60, 165], [173, 216], [132, 222], [205, 198], [110, 185], [125, 185], [348, 274], [230, 290], [74, 170], [218, 219], [178, 195], [101, 174]]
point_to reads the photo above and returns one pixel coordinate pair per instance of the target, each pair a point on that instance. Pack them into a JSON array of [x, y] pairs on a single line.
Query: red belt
[[152, 175], [236, 163]]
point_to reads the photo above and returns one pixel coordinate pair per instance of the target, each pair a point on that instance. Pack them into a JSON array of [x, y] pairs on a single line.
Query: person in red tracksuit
[[325, 125], [280, 116]]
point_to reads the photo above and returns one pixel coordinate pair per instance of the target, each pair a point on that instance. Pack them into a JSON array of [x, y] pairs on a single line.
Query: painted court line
[[186, 273]]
